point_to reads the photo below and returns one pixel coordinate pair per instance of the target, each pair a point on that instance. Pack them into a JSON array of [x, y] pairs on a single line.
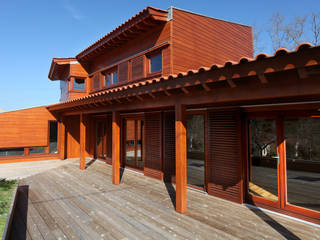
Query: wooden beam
[[83, 128], [115, 147], [139, 97], [206, 87], [151, 95], [181, 158], [167, 93], [262, 78], [302, 73], [231, 83], [118, 100], [185, 90], [62, 138]]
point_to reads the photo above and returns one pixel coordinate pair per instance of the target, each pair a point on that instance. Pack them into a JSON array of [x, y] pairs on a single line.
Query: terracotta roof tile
[[259, 57]]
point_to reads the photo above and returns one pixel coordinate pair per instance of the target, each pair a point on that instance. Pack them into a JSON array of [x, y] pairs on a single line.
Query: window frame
[[149, 57], [110, 72], [73, 84]]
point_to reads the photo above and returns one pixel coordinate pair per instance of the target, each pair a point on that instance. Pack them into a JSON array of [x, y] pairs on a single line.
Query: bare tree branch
[[294, 31], [315, 28], [257, 39], [276, 31]]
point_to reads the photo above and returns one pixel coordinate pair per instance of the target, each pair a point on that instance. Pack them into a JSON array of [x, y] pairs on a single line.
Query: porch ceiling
[[305, 60]]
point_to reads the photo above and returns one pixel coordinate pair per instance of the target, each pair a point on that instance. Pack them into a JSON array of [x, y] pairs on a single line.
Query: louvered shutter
[[137, 68], [96, 81], [153, 145], [169, 147], [224, 158], [123, 72]]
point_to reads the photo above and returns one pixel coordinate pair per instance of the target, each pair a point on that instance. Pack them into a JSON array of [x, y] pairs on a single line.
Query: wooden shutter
[[96, 81], [169, 142], [152, 164], [137, 68], [224, 157], [123, 72]]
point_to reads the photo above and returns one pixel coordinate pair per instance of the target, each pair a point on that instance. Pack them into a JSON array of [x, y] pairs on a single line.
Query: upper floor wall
[[201, 41], [156, 43]]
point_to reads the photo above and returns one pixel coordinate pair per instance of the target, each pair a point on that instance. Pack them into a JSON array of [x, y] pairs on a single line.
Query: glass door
[[134, 143], [302, 137], [264, 161], [284, 163], [196, 150]]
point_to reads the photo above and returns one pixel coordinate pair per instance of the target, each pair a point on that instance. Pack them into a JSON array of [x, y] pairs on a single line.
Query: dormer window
[[155, 63], [79, 84], [111, 77]]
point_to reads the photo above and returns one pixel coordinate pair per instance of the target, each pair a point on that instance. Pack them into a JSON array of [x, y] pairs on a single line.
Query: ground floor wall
[[28, 134], [226, 154]]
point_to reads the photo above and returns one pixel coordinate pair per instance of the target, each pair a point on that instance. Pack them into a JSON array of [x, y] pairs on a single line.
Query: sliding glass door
[[133, 138], [263, 160], [284, 162]]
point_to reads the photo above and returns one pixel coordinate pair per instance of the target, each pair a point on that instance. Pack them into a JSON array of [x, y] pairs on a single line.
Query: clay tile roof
[[278, 53]]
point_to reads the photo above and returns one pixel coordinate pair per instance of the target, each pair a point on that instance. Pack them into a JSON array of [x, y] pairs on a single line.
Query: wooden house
[[179, 97]]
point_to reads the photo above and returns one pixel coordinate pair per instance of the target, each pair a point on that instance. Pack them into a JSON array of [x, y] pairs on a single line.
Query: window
[[11, 152], [155, 63], [36, 150], [111, 77], [79, 84], [53, 137]]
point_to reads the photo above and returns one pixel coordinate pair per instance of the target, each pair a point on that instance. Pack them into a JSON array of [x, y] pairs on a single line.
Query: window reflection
[[302, 137], [195, 150], [263, 178]]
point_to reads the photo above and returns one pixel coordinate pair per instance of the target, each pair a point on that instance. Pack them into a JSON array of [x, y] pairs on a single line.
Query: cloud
[[72, 10], [1, 111]]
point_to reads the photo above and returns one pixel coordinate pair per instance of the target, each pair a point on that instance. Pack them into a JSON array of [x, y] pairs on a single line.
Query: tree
[[277, 31], [315, 28], [257, 39], [294, 32]]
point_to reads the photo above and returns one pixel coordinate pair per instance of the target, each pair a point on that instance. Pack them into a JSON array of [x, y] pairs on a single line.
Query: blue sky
[[32, 32]]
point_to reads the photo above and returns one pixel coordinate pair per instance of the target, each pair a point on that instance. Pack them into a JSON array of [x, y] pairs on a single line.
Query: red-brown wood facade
[[206, 68]]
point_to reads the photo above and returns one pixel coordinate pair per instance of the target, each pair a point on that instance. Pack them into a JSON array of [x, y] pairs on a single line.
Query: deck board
[[67, 203]]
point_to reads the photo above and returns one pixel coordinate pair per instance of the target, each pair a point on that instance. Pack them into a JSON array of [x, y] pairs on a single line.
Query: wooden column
[[62, 138], [83, 126], [181, 158], [115, 147]]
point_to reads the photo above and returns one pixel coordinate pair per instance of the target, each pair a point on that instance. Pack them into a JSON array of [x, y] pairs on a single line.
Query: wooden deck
[[67, 203]]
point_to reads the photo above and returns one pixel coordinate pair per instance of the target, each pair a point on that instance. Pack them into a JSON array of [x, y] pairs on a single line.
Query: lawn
[[6, 190]]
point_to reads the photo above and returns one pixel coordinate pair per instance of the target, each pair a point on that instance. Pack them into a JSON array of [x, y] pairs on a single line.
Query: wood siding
[[123, 72], [169, 160], [202, 41], [137, 68], [224, 157], [145, 41], [153, 156], [25, 128]]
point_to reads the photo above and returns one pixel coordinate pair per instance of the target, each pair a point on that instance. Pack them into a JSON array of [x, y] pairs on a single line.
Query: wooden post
[[62, 138], [181, 159], [115, 147], [83, 126]]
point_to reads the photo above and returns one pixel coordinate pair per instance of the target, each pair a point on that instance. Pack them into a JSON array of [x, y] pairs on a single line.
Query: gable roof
[[59, 67], [142, 21]]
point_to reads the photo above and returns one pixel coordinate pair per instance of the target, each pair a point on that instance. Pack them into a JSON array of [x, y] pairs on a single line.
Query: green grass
[[6, 191]]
